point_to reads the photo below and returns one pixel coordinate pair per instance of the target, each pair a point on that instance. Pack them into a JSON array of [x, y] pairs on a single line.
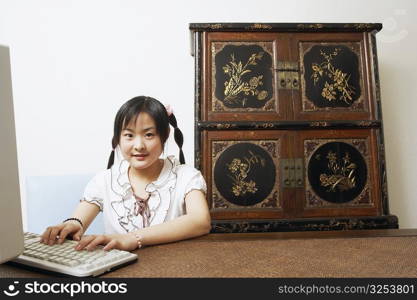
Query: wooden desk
[[365, 253]]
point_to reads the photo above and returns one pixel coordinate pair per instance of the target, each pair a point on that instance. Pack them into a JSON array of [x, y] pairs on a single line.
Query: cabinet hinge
[[292, 170], [288, 77]]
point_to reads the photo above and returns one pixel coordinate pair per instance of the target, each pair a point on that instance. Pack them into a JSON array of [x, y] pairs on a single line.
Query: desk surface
[[364, 253]]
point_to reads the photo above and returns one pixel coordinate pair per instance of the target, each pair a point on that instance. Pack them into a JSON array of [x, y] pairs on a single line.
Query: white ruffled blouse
[[112, 192]]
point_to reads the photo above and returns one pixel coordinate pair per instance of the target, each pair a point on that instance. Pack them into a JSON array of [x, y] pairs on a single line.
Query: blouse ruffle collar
[[160, 189], [120, 174]]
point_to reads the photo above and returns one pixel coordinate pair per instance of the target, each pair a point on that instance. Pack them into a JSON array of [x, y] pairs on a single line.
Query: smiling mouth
[[139, 155]]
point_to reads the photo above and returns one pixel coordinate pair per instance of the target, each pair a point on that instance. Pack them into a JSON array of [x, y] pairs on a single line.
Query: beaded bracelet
[[74, 219], [138, 238]]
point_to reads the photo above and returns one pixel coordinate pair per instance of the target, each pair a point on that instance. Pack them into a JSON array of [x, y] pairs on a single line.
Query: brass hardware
[[299, 176], [285, 166], [292, 173], [295, 82], [288, 75], [291, 66]]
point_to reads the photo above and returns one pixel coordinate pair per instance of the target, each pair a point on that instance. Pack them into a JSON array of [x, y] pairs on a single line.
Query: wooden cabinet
[[288, 126]]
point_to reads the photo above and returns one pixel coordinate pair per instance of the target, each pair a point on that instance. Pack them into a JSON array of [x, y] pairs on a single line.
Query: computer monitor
[[11, 228]]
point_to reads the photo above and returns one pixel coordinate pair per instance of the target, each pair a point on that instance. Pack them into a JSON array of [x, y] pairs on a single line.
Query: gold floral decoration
[[260, 26], [239, 170], [341, 173], [235, 85], [216, 26], [339, 81]]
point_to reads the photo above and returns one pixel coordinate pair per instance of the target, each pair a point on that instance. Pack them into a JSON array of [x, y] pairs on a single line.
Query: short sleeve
[[94, 191], [196, 182]]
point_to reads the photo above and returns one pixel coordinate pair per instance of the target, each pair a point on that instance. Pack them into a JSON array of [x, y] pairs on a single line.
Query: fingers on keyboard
[[101, 239], [77, 235], [63, 234], [84, 242], [110, 245], [54, 234], [45, 235], [91, 242]]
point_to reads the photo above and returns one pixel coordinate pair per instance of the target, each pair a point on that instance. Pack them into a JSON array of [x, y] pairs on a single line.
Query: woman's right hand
[[58, 233]]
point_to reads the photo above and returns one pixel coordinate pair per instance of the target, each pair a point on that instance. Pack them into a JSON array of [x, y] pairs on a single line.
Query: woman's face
[[140, 143]]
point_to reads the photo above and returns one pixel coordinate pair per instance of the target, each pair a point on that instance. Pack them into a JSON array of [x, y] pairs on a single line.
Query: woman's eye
[[148, 135], [128, 135]]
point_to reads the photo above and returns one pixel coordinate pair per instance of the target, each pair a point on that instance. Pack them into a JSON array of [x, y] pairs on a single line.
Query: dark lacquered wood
[[305, 224], [291, 120], [286, 27], [312, 234], [281, 97], [368, 112], [245, 212], [374, 209]]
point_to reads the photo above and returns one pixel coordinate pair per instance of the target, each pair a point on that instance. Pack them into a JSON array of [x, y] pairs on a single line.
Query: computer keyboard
[[62, 258]]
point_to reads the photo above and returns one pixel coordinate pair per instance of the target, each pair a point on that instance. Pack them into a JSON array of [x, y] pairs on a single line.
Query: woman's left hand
[[126, 242]]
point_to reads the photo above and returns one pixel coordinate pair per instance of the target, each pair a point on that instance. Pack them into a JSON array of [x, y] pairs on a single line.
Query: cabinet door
[[341, 171], [240, 79], [242, 169], [335, 75]]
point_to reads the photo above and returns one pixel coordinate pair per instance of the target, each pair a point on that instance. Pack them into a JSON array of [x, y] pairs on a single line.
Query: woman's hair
[[131, 110]]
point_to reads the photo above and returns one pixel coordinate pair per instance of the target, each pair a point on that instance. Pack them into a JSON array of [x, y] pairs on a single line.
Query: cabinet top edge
[[286, 27]]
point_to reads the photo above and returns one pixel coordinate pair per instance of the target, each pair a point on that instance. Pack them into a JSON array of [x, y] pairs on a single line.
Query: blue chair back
[[52, 199]]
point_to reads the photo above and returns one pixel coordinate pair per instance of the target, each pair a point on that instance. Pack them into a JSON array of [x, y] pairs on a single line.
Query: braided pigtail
[[179, 138], [111, 158]]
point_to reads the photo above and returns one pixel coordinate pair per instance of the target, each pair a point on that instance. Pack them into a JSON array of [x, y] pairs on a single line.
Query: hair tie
[[169, 109]]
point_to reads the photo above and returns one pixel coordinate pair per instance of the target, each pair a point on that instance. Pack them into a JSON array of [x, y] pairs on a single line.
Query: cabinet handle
[[295, 83]]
